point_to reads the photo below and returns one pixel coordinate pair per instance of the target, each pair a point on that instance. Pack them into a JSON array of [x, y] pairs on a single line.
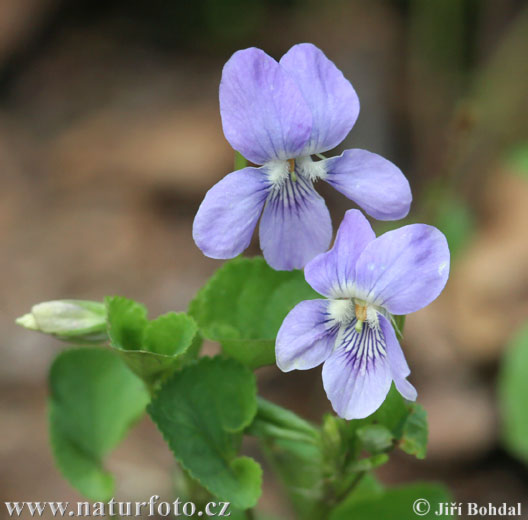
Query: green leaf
[[202, 411], [393, 412], [405, 422], [513, 387], [395, 504], [151, 349], [126, 320], [375, 438], [243, 305], [415, 432], [170, 334], [368, 463], [94, 401]]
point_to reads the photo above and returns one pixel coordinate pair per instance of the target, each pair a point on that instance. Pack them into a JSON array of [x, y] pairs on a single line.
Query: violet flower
[[279, 114], [366, 279]]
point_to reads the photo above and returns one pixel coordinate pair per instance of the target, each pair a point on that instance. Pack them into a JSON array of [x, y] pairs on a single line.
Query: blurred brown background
[[110, 135]]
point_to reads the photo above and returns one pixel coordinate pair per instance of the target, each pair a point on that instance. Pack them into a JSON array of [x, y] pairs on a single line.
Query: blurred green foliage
[[518, 159], [513, 389]]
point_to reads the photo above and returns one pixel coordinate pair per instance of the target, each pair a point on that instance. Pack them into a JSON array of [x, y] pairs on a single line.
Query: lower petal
[[306, 337], [399, 367], [357, 376], [295, 225], [229, 213], [372, 182]]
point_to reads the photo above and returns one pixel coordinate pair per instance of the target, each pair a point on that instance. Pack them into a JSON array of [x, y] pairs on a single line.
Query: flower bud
[[72, 320]]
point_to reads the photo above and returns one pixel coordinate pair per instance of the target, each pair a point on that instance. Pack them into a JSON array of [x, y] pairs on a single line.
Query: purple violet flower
[[366, 279], [277, 115]]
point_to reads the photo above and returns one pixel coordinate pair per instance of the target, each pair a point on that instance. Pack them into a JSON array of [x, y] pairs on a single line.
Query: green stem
[[398, 322], [250, 514], [265, 429], [272, 413], [343, 494]]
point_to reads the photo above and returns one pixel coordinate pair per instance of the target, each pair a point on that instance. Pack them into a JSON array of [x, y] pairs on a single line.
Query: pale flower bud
[[72, 320]]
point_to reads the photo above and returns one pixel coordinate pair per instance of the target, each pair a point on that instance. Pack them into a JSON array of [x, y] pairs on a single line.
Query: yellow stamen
[[291, 162], [361, 316], [361, 312]]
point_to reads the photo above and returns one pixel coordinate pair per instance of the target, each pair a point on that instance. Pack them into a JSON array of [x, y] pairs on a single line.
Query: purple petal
[[295, 225], [399, 367], [330, 272], [405, 269], [264, 114], [306, 337], [357, 376], [372, 182], [330, 96], [229, 213]]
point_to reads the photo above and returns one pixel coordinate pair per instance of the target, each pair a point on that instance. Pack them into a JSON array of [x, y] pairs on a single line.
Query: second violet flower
[[365, 280], [277, 115]]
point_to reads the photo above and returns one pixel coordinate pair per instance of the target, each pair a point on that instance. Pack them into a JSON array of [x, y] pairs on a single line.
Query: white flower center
[[341, 311], [278, 170], [311, 169], [344, 311]]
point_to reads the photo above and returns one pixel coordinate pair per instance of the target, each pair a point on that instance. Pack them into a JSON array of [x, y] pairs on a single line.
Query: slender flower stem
[[280, 417], [264, 429], [351, 487]]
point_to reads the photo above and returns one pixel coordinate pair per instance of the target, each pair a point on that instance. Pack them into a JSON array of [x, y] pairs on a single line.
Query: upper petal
[[330, 96], [357, 376], [295, 225], [264, 114], [330, 273], [398, 364], [372, 182], [227, 217], [405, 269], [306, 337]]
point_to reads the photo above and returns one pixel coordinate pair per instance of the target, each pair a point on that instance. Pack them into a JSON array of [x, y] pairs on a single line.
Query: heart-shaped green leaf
[[94, 401], [154, 348], [201, 411], [243, 305]]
